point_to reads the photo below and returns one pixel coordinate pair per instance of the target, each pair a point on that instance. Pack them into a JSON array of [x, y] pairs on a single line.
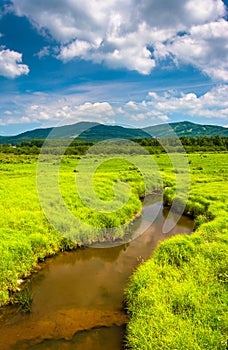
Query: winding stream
[[77, 296]]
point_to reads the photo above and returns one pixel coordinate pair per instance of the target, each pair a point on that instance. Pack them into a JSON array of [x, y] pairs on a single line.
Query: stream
[[78, 295]]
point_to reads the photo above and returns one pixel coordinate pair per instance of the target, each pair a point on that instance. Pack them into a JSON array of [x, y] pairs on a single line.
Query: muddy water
[[77, 296]]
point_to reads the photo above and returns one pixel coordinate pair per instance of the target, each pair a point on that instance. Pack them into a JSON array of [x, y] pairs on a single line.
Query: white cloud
[[132, 105], [10, 64], [77, 48], [45, 51], [15, 120], [204, 10], [51, 110], [153, 95], [213, 104], [205, 46], [25, 119], [164, 118], [135, 34], [157, 107], [134, 58], [66, 110], [8, 112], [97, 110]]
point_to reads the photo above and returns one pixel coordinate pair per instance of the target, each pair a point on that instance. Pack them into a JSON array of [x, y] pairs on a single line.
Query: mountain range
[[89, 131]]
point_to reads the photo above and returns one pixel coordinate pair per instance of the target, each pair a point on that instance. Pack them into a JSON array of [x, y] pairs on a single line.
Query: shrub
[[175, 252]]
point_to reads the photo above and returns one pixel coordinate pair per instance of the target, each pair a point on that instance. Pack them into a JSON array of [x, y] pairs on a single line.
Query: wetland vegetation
[[178, 298]]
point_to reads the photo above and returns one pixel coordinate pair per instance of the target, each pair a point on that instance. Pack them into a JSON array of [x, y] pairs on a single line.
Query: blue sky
[[135, 62]]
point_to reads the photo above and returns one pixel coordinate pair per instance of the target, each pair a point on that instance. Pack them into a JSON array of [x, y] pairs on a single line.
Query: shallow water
[[77, 296]]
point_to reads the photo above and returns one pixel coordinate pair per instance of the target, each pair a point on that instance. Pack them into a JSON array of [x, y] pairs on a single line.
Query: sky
[[134, 63]]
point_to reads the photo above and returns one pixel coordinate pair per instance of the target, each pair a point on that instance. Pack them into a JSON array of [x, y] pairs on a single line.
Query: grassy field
[[28, 237], [178, 299]]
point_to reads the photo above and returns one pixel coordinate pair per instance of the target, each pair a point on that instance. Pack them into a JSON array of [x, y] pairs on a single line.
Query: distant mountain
[[186, 129], [105, 132], [59, 132], [89, 131]]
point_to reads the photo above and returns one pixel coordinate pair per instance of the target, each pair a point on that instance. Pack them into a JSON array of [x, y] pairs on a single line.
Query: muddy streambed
[[77, 296]]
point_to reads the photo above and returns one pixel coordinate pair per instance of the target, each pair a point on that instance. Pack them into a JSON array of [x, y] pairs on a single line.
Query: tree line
[[151, 145]]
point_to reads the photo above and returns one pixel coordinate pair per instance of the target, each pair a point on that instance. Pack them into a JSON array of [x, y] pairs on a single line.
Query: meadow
[[28, 237], [176, 300]]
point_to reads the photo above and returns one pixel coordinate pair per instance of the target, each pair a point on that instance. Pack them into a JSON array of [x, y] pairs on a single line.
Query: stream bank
[[77, 295]]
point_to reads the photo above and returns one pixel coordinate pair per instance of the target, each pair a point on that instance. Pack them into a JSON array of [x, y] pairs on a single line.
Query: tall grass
[[26, 235], [178, 299]]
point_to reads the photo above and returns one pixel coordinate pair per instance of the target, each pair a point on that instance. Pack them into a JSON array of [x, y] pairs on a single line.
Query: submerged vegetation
[[24, 299], [176, 300]]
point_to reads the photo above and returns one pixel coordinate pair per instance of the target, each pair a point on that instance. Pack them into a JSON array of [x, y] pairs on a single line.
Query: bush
[[175, 252]]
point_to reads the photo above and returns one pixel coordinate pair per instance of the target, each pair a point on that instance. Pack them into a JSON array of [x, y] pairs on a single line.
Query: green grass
[[176, 300], [179, 299], [28, 237], [23, 299]]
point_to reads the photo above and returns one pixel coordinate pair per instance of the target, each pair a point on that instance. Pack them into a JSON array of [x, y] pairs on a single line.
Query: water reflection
[[83, 290]]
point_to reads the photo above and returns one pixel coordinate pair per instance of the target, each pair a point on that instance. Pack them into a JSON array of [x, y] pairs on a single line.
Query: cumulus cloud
[[135, 34], [204, 10], [205, 46], [132, 105], [213, 104], [157, 107], [97, 110], [77, 48], [66, 110], [53, 110], [10, 64]]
